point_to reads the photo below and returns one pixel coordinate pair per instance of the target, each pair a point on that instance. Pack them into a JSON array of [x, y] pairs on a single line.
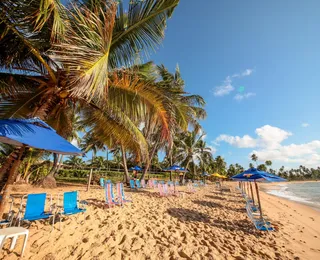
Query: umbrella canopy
[[176, 168], [253, 174], [136, 168], [218, 176], [35, 133], [205, 174]]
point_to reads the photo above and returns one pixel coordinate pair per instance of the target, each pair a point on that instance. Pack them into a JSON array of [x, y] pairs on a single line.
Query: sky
[[256, 63]]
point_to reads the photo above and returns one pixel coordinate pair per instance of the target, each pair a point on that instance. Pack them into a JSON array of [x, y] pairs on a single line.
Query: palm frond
[[141, 29]]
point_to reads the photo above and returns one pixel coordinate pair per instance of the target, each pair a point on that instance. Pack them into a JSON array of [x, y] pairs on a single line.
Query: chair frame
[[22, 211]]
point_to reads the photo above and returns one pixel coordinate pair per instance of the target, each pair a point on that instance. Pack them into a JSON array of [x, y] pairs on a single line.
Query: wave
[[284, 193]]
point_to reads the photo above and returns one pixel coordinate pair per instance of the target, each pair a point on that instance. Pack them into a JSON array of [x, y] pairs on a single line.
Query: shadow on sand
[[188, 215]]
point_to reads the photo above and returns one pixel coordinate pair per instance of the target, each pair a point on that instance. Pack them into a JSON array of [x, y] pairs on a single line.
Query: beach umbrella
[[36, 134], [253, 175], [175, 168], [136, 168]]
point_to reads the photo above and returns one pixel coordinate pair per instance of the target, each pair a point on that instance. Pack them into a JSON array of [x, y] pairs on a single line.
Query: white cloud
[[240, 97], [305, 125], [270, 136], [241, 142], [224, 89], [74, 142], [245, 73], [227, 86], [268, 146], [213, 149]]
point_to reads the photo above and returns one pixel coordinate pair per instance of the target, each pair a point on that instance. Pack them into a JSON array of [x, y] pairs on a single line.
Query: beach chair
[[138, 184], [172, 190], [190, 188], [102, 182], [162, 190], [143, 183], [132, 184], [110, 199], [120, 193], [261, 223], [34, 209], [10, 215], [150, 183], [71, 203]]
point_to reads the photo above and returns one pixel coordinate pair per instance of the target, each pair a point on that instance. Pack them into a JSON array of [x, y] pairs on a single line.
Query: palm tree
[[91, 143], [74, 161], [57, 57], [185, 110], [268, 163], [254, 158], [191, 149]]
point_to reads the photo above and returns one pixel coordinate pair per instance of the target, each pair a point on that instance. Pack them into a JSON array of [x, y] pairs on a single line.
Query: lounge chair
[[190, 188], [138, 184], [35, 208], [172, 190], [150, 183], [132, 184], [102, 182], [120, 193], [71, 203], [10, 215], [163, 191], [261, 223], [110, 199], [143, 183]]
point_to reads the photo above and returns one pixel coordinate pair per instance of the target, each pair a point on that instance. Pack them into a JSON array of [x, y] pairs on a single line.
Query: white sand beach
[[203, 225]]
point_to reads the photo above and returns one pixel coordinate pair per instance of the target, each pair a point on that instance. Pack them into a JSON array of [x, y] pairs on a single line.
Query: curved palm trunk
[[148, 162], [184, 174], [124, 160], [15, 158]]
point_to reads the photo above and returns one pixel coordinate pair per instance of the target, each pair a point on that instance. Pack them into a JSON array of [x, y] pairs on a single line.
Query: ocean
[[306, 192]]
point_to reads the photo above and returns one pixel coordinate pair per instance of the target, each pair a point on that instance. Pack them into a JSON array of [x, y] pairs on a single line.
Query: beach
[[207, 224]]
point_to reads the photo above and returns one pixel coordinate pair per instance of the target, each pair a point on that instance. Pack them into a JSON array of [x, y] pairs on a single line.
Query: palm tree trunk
[[149, 161], [184, 174], [90, 174], [124, 160], [17, 154], [59, 166]]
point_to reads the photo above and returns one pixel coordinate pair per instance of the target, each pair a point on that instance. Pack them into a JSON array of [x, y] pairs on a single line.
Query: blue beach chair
[[138, 184], [102, 182], [70, 203], [132, 184], [35, 208]]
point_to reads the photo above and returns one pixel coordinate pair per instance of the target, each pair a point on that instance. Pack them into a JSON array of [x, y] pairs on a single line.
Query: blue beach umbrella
[[136, 168], [36, 134], [253, 175]]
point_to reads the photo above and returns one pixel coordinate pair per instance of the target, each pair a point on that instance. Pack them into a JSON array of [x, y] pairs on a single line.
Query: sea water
[[307, 192]]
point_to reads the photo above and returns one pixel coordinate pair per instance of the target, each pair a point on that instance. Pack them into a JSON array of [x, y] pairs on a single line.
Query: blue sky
[[274, 47]]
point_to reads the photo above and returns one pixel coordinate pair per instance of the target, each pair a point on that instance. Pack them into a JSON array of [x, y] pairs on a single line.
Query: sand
[[201, 225]]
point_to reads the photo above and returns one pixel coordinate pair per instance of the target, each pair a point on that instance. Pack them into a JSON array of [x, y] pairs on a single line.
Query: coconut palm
[[191, 149], [74, 161], [185, 110], [54, 57]]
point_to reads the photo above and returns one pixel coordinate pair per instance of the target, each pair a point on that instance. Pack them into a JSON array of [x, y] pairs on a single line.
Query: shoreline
[[265, 187]]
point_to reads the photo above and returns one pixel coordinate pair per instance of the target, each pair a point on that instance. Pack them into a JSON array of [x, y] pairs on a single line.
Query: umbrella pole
[[252, 196], [258, 196]]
